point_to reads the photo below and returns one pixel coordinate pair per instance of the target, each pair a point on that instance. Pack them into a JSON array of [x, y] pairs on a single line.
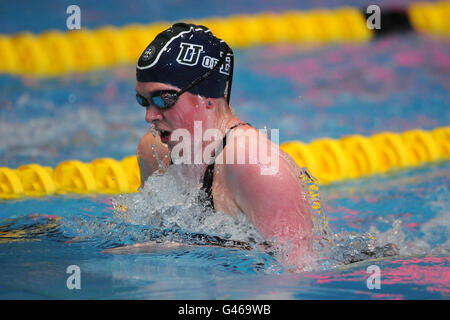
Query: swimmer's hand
[[154, 246], [147, 247]]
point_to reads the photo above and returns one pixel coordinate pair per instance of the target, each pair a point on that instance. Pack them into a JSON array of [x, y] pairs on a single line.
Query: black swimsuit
[[209, 173]]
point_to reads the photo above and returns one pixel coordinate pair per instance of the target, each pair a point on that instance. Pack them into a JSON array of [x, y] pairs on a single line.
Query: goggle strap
[[230, 77]]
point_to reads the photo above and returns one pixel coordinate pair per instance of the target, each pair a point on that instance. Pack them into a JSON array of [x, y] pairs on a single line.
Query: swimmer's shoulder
[[249, 146]]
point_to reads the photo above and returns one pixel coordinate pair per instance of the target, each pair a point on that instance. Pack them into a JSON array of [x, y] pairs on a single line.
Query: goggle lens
[[141, 100], [159, 102], [160, 99]]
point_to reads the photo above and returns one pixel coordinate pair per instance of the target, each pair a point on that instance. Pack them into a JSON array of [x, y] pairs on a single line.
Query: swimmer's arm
[[154, 246], [148, 163], [275, 204], [268, 191], [147, 247]]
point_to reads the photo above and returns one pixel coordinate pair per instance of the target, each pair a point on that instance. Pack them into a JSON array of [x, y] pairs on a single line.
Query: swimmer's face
[[188, 109]]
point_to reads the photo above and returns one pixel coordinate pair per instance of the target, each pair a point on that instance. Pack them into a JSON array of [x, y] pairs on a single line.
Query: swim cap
[[183, 53]]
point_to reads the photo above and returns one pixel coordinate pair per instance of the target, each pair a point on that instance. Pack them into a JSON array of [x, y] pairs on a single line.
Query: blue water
[[35, 266], [308, 92]]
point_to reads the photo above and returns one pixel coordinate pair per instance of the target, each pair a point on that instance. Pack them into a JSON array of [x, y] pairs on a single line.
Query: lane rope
[[328, 160], [54, 53]]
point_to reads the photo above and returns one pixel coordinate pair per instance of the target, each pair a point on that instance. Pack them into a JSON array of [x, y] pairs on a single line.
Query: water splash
[[426, 240], [332, 250], [172, 201]]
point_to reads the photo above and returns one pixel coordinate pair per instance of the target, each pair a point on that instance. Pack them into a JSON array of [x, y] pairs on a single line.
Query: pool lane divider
[[53, 52], [328, 160]]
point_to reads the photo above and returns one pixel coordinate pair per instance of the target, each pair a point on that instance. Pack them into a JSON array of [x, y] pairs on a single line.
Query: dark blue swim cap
[[182, 54]]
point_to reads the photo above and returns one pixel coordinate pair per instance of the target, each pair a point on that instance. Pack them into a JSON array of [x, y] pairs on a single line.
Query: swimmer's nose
[[153, 114]]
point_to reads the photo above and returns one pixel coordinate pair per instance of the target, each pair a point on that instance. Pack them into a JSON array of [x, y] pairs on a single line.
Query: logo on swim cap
[[189, 53], [148, 53]]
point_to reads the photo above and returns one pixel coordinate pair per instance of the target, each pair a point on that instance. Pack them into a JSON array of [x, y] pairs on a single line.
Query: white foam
[[170, 200]]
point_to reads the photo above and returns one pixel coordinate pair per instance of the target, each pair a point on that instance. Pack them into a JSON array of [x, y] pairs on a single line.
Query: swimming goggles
[[165, 99]]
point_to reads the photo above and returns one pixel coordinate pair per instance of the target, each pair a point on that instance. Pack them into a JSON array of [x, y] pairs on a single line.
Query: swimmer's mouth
[[164, 134]]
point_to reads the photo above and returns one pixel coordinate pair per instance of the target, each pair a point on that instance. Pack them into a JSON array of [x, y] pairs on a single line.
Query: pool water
[[308, 92], [34, 262]]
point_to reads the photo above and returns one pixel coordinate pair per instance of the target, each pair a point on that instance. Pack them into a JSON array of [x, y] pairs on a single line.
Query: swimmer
[[184, 77]]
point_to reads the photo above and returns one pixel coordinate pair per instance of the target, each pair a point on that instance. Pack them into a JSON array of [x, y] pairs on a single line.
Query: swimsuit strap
[[209, 173]]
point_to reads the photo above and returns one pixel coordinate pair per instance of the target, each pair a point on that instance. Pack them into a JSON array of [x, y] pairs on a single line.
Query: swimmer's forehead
[[148, 87]]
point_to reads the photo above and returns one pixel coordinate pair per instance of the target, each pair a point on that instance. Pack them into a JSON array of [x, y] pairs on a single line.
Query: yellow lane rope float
[[53, 53], [327, 159]]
